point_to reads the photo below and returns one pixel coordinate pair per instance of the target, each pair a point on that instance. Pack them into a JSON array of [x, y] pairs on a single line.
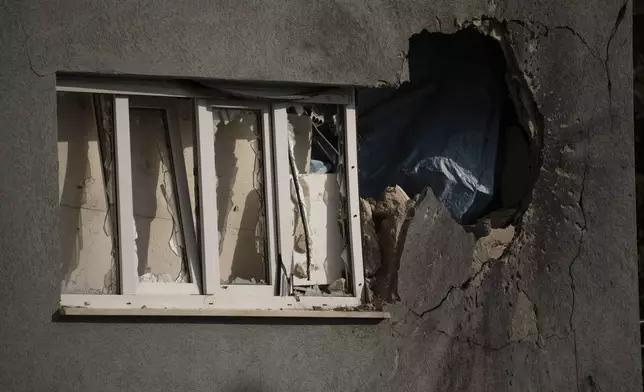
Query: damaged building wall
[[558, 310]]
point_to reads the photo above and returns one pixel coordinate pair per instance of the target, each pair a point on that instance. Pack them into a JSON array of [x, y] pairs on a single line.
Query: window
[[188, 197]]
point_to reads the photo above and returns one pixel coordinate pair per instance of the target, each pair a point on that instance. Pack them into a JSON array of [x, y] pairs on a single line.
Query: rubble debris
[[150, 277], [313, 291], [339, 286], [299, 271], [383, 225], [239, 280], [336, 289], [371, 256], [494, 244]]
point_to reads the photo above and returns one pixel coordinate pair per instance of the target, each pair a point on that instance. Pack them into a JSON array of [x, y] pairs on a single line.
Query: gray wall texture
[[559, 313]]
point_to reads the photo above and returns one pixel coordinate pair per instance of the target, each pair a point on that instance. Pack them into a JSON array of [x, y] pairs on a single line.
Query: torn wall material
[[384, 224], [322, 203], [442, 128]]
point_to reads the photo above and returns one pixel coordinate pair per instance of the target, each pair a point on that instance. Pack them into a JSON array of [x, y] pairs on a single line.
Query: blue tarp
[[440, 130]]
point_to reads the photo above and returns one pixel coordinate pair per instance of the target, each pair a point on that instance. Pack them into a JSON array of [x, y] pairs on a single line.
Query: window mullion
[[283, 196], [353, 199], [207, 181], [269, 192], [183, 197], [124, 197]]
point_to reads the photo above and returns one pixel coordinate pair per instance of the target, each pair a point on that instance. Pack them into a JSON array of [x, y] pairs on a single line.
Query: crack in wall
[[583, 230], [28, 55], [463, 286], [535, 309], [544, 30], [472, 342], [605, 62], [618, 22]]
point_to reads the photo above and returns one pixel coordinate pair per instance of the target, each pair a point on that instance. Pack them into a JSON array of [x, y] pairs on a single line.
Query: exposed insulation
[[323, 204]]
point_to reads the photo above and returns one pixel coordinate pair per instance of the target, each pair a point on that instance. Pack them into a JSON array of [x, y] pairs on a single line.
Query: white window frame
[[207, 296]]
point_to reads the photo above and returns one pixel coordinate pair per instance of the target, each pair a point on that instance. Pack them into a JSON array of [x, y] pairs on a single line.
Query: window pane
[[86, 171], [160, 245], [319, 215], [240, 197]]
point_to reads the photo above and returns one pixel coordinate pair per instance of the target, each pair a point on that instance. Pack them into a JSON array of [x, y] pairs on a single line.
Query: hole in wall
[[461, 126]]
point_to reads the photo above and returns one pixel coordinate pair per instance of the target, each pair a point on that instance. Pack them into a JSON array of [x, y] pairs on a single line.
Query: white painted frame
[[353, 199], [170, 109], [124, 198], [215, 297], [179, 89], [283, 192], [208, 200], [283, 195]]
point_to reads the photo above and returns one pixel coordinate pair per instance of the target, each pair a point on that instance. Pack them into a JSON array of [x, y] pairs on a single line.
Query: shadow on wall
[[452, 127]]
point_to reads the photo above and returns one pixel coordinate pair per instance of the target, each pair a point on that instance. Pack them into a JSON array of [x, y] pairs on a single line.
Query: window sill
[[329, 314]]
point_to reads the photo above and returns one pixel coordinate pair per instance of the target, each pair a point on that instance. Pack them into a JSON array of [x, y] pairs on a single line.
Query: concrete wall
[[558, 313]]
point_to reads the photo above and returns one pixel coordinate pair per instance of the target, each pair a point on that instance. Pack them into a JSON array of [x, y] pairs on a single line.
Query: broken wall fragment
[[437, 255]]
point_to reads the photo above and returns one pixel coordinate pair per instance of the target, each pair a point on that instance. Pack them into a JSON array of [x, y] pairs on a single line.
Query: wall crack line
[[605, 62], [583, 230], [618, 22], [25, 46], [471, 342], [462, 287]]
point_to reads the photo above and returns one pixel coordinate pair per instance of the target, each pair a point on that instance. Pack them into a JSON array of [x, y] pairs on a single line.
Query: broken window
[[86, 192], [196, 197], [319, 236], [241, 221]]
